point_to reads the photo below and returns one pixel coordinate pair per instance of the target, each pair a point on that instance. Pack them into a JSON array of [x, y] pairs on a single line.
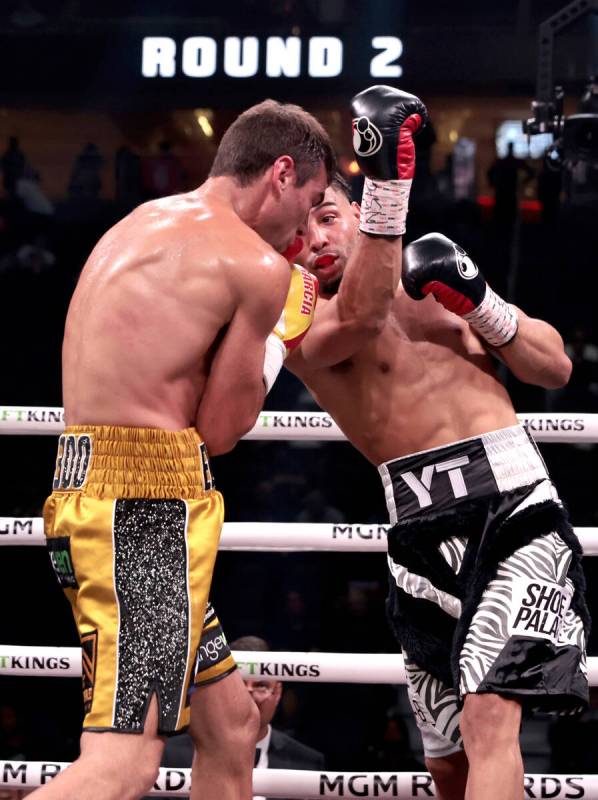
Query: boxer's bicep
[[330, 339]]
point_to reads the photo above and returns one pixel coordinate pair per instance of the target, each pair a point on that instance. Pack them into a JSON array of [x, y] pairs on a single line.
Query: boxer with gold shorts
[[169, 332]]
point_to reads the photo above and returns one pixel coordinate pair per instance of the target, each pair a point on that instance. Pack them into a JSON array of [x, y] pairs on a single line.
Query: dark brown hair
[[339, 184], [267, 131]]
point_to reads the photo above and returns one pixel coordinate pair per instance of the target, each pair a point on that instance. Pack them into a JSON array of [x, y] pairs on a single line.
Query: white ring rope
[[293, 426], [313, 667], [65, 662], [266, 537], [294, 783]]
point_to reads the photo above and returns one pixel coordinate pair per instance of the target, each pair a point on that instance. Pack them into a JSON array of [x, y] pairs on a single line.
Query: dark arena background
[[104, 105]]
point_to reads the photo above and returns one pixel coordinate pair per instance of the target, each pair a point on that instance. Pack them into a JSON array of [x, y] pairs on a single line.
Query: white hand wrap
[[273, 360], [384, 207], [494, 319]]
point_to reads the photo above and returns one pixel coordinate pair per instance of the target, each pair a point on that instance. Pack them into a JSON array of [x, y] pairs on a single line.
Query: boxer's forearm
[[536, 354], [370, 282], [225, 417]]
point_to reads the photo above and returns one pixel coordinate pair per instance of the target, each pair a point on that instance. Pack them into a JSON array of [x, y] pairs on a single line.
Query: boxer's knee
[[225, 720], [489, 723]]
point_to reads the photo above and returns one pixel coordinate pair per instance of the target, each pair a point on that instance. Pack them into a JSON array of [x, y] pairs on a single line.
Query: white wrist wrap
[[494, 319], [384, 207], [273, 360]]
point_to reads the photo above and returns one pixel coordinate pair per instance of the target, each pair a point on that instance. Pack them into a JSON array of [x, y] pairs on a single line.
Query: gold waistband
[[112, 461]]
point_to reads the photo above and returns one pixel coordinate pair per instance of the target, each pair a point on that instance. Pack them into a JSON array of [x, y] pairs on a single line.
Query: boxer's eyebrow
[[323, 204]]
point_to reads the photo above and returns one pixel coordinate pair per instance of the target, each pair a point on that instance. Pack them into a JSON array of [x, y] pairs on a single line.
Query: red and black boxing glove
[[385, 120], [435, 265]]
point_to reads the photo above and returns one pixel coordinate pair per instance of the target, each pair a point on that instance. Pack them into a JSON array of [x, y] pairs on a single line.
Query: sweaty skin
[[420, 377], [167, 325]]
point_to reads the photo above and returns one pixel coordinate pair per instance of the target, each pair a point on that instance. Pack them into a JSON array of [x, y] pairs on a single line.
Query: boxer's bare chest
[[416, 377]]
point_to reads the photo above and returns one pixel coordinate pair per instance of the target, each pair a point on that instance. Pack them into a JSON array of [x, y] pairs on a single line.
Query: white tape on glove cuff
[[273, 360], [494, 319], [384, 207]]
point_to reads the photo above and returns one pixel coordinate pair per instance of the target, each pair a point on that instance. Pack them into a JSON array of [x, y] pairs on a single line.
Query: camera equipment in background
[[575, 146]]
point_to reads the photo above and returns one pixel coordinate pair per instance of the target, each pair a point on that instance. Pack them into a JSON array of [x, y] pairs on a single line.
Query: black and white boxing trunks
[[486, 584]]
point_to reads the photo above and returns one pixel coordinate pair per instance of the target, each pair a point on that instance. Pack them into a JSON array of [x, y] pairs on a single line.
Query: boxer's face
[[331, 234], [266, 696], [287, 210]]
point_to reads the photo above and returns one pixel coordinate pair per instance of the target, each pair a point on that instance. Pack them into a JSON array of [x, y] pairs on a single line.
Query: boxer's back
[[145, 317]]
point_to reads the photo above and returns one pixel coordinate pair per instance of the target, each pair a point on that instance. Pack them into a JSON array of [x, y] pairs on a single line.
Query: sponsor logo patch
[[421, 486], [72, 461], [309, 293], [374, 532], [266, 669], [30, 664], [467, 269], [538, 609], [59, 548], [533, 425], [212, 650], [89, 652], [318, 420], [206, 471], [367, 139]]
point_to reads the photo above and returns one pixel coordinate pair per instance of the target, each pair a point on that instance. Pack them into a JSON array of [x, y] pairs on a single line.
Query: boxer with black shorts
[[486, 594], [168, 350]]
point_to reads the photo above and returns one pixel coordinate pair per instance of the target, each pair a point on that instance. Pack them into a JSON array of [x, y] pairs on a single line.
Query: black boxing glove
[[384, 123], [436, 265]]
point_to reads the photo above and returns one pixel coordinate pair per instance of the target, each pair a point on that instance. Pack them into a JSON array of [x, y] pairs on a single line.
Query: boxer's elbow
[[222, 432], [222, 440], [559, 372], [216, 442], [554, 373], [218, 446]]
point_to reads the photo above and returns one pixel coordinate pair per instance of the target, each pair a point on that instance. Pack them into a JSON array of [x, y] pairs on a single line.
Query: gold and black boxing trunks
[[132, 526]]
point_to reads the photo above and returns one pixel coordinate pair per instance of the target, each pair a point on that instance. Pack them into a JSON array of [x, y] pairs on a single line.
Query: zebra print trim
[[520, 530], [436, 710], [453, 550], [546, 559], [423, 589]]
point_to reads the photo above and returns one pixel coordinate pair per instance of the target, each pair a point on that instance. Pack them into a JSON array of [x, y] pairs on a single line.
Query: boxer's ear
[[284, 173]]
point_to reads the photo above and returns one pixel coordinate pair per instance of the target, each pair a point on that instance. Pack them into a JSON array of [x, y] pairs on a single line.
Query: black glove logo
[[367, 139], [467, 269]]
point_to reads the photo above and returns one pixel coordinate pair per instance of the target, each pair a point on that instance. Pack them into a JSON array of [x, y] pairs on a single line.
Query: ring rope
[[312, 667], [272, 536], [293, 426], [294, 783], [65, 662]]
